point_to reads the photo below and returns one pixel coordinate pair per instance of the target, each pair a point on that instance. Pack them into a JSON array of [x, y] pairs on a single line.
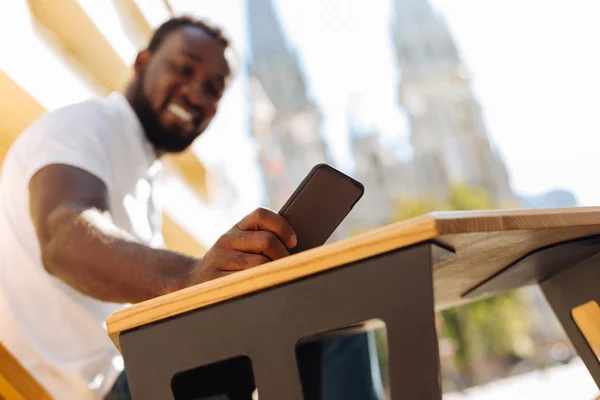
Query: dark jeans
[[333, 369]]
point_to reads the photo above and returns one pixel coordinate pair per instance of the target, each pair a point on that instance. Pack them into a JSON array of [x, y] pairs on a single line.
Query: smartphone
[[319, 204]]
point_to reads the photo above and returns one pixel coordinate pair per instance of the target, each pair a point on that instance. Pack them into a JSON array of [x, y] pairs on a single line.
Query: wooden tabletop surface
[[484, 242]]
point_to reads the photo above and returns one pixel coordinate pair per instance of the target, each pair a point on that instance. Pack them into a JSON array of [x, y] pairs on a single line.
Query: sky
[[538, 78], [533, 66]]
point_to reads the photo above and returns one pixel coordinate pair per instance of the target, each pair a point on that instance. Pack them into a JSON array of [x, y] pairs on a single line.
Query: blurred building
[[286, 123], [449, 137], [557, 198], [378, 168], [447, 127]]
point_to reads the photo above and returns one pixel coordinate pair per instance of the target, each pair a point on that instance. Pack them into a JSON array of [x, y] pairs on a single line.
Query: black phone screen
[[319, 205]]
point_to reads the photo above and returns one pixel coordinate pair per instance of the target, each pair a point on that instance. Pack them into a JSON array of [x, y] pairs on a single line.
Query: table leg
[[266, 326], [571, 288], [404, 357], [276, 373]]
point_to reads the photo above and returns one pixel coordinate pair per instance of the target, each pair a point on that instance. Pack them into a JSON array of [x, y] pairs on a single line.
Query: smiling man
[[80, 227]]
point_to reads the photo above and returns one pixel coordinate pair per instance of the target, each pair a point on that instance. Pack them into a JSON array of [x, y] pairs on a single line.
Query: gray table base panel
[[395, 287], [568, 274], [571, 288]]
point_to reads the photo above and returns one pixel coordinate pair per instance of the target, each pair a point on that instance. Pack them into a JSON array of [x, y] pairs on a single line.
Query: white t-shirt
[[56, 332]]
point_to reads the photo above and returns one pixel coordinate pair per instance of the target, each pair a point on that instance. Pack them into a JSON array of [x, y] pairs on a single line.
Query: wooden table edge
[[391, 237], [294, 267]]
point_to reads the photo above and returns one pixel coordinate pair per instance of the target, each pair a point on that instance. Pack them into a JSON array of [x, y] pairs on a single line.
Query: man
[[80, 223]]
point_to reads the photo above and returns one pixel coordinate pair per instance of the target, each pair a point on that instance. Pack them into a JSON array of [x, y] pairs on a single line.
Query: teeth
[[180, 112]]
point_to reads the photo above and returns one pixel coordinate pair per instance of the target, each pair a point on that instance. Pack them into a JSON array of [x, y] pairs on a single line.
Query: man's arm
[[81, 245]]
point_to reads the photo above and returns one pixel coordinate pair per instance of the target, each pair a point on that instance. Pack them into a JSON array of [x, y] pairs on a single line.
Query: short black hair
[[182, 21]]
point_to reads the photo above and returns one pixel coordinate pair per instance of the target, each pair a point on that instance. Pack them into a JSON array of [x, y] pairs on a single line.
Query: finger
[[239, 261], [258, 242], [267, 220]]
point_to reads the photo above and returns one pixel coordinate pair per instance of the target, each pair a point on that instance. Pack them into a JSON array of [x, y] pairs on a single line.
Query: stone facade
[[449, 139], [289, 133]]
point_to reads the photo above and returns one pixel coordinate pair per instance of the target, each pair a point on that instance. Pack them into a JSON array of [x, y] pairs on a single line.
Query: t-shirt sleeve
[[78, 136]]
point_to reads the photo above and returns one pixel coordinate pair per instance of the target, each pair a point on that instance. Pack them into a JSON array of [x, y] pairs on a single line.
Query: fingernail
[[293, 241]]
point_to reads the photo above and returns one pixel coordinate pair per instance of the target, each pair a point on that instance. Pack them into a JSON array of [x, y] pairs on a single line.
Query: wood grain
[[508, 220], [16, 381], [484, 243]]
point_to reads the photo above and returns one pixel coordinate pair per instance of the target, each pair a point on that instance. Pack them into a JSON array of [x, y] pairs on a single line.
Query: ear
[[233, 61], [141, 60]]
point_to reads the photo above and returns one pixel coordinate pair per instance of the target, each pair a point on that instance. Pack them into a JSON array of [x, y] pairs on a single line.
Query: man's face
[[179, 86]]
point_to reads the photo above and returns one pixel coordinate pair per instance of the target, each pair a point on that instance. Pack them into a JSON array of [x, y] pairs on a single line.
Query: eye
[[183, 69], [186, 70]]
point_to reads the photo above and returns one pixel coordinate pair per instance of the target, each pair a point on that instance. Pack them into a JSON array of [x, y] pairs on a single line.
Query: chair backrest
[[15, 382]]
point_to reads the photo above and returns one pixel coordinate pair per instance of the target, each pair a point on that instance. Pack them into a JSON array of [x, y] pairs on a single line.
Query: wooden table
[[399, 273]]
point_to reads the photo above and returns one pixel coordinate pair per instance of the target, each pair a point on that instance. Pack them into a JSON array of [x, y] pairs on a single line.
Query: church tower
[[374, 164], [290, 141], [448, 135]]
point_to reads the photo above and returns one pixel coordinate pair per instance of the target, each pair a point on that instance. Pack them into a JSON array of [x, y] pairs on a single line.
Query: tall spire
[[422, 38], [289, 137], [273, 61], [447, 129]]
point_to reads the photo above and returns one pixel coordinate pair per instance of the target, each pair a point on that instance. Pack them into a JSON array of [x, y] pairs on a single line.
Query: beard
[[162, 139]]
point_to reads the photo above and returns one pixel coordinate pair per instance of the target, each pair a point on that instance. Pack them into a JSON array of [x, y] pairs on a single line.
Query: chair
[[15, 382]]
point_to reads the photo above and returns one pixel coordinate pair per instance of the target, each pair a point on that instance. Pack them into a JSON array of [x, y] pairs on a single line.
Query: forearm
[[88, 252]]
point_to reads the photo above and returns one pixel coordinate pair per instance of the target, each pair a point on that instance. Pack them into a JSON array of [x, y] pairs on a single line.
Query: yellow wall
[[17, 110]]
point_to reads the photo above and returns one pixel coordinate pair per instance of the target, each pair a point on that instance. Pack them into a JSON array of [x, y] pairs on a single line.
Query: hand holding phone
[[319, 204]]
